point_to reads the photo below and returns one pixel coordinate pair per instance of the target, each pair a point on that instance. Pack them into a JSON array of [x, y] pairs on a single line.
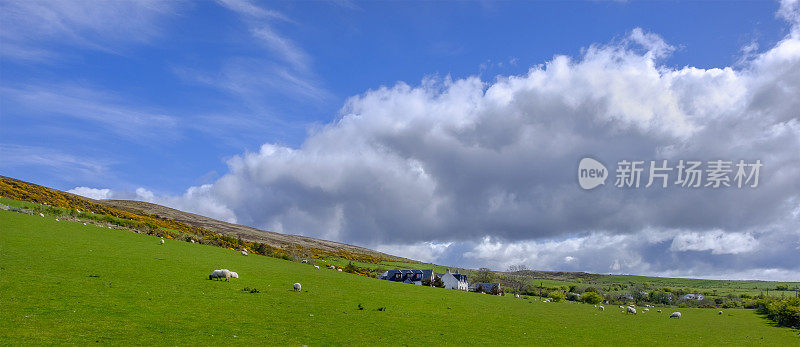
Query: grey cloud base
[[472, 173]]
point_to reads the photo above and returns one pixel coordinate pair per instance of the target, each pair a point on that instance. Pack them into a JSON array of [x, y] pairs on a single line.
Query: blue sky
[[155, 67], [441, 131]]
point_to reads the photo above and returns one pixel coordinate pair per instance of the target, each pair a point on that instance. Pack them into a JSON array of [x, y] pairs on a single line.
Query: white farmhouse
[[454, 280]]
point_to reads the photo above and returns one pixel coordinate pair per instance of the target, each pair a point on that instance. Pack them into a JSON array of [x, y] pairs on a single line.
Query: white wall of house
[[451, 282]]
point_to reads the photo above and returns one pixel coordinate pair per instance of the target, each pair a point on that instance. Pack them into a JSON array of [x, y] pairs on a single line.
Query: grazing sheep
[[719, 313], [331, 267], [296, 287], [601, 308], [162, 240], [244, 252], [646, 310], [223, 273], [595, 306], [316, 267], [516, 296], [56, 219], [675, 315], [304, 261], [621, 307], [631, 310], [41, 214], [192, 240], [340, 270], [659, 311]]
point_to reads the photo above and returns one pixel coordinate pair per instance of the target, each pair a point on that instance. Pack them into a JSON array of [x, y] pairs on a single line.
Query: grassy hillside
[[63, 282]]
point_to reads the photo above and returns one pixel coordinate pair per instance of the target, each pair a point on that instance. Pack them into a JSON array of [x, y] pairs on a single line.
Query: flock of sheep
[[227, 275]]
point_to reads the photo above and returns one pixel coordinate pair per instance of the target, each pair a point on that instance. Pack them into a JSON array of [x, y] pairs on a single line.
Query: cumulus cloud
[[91, 193], [468, 172]]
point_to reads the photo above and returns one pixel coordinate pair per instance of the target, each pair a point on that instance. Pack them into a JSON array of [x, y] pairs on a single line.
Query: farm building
[[489, 288], [693, 297], [454, 280], [408, 276]]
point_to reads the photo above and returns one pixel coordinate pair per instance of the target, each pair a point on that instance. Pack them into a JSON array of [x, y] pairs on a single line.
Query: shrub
[[591, 298], [557, 296]]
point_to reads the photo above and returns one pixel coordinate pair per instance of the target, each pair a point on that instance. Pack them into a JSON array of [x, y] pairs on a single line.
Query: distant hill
[[236, 230], [156, 219]]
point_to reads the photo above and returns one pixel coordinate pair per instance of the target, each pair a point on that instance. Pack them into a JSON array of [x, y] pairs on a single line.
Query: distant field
[[63, 282]]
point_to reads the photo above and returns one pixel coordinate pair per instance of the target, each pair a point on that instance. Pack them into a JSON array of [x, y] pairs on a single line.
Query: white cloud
[[717, 241], [91, 193]]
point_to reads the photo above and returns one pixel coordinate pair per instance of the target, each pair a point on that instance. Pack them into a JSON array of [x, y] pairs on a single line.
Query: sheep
[[331, 267], [162, 240], [675, 315], [595, 306], [621, 306], [223, 273], [659, 311], [296, 287], [57, 220], [631, 310], [516, 296], [192, 240], [244, 252], [316, 267], [601, 308], [41, 214], [304, 261], [646, 310], [340, 270], [719, 313]]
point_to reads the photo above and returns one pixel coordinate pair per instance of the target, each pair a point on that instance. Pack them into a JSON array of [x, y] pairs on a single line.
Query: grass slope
[[63, 282]]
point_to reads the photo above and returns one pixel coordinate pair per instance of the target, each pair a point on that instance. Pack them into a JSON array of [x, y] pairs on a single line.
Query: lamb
[[646, 310], [316, 267], [621, 306], [192, 240], [41, 214], [162, 240], [223, 273], [719, 313], [675, 315], [340, 270], [244, 252], [631, 310], [304, 261], [516, 296], [659, 311], [601, 308], [296, 287]]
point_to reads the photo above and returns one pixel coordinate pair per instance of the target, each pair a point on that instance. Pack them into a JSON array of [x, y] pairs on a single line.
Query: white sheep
[[223, 273], [631, 310], [41, 214], [659, 311], [57, 220], [516, 296], [720, 312], [601, 308], [304, 261], [192, 240], [162, 240], [296, 287], [621, 306], [646, 310], [316, 267], [340, 270], [244, 252], [675, 315]]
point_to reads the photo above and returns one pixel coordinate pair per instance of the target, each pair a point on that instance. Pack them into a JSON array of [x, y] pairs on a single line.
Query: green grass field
[[63, 282]]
